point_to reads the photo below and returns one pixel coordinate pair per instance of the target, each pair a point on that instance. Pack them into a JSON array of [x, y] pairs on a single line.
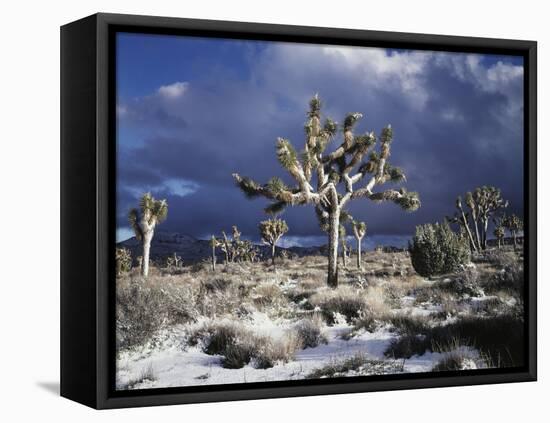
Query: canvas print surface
[[296, 211]]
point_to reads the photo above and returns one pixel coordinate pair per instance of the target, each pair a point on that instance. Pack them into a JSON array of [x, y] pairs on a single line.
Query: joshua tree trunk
[[469, 232], [344, 252], [213, 258], [484, 235], [334, 226], [499, 243], [147, 237], [478, 238], [514, 238], [359, 253], [273, 254]]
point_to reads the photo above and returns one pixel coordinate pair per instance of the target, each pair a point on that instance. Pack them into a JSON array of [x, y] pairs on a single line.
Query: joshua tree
[[336, 173], [229, 246], [214, 243], [359, 230], [123, 261], [236, 249], [499, 233], [174, 260], [514, 224], [483, 203], [488, 201], [271, 231], [143, 221]]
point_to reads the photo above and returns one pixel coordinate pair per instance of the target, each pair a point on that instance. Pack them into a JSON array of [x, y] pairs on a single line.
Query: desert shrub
[[343, 301], [123, 258], [467, 282], [140, 314], [267, 294], [356, 364], [147, 374], [375, 311], [436, 249], [497, 257], [271, 351], [406, 346], [500, 338], [412, 324], [458, 360], [309, 333], [143, 307], [510, 278], [217, 284], [239, 354], [240, 346]]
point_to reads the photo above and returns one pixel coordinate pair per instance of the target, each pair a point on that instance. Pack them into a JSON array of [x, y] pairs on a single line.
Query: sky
[[191, 111]]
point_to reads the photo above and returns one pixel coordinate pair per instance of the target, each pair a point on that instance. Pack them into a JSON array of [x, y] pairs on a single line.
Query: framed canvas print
[[256, 211]]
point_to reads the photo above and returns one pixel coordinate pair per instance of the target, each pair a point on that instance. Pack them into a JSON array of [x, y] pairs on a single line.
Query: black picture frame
[[88, 194]]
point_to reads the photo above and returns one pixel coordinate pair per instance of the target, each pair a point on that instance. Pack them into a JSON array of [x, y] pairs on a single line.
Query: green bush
[[436, 250]]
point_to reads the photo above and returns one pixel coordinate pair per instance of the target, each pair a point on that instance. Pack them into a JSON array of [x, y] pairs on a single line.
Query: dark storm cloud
[[457, 125]]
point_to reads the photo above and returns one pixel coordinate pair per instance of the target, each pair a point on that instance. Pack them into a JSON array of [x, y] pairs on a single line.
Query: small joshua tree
[[514, 224], [359, 231], [342, 233], [271, 231], [236, 249], [499, 233], [337, 174], [229, 245], [123, 259], [483, 204], [143, 221], [173, 261], [214, 243]]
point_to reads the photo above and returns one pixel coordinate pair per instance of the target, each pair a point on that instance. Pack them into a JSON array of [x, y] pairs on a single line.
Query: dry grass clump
[[147, 374], [240, 346], [310, 332], [356, 365], [344, 301], [500, 338], [143, 307]]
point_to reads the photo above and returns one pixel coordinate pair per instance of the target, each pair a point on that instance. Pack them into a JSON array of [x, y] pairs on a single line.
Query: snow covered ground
[[170, 363], [397, 322]]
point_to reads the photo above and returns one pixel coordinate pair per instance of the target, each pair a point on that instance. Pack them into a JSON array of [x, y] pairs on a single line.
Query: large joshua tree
[[271, 231], [359, 231], [151, 212], [336, 174]]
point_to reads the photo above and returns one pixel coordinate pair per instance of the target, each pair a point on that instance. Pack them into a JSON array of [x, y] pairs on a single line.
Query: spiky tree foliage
[[271, 231], [236, 249], [123, 258], [328, 181], [436, 249], [483, 204], [514, 224], [144, 220], [359, 231], [499, 233]]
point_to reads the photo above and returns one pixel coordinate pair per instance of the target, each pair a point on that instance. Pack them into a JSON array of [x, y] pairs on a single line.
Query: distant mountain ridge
[[191, 249]]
